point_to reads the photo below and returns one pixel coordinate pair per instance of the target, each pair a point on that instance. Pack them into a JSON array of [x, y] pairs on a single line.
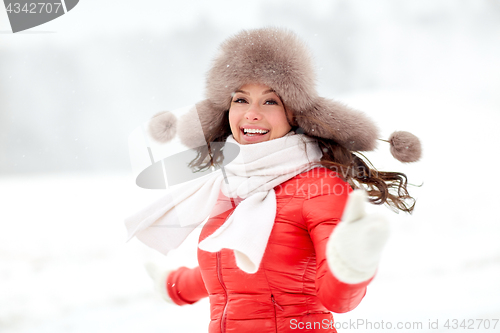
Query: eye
[[239, 100], [271, 102]]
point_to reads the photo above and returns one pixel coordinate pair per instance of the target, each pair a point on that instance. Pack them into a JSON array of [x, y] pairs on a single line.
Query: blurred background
[[73, 89]]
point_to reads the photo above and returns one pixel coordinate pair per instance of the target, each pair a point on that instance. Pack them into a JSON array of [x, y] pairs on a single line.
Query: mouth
[[251, 132]]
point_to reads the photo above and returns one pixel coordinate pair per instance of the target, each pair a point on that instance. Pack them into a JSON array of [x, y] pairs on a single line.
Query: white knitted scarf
[[252, 176]]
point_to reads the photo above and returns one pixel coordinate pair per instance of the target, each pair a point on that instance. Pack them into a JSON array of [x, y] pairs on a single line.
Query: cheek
[[280, 122], [231, 118], [233, 121]]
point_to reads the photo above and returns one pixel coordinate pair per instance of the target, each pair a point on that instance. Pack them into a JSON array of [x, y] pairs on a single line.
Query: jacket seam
[[271, 295], [303, 284]]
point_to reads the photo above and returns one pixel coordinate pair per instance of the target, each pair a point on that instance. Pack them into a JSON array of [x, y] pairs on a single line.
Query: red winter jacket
[[293, 290]]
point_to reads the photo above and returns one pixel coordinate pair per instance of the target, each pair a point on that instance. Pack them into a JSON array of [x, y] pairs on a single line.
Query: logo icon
[[162, 164], [25, 14]]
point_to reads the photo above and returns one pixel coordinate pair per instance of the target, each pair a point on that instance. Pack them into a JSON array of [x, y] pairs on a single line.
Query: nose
[[253, 112]]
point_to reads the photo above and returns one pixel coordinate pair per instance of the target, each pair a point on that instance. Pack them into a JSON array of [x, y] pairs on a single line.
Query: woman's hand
[[159, 277], [355, 245]]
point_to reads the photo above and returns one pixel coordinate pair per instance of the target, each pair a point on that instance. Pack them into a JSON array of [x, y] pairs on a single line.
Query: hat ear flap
[[333, 120], [194, 128]]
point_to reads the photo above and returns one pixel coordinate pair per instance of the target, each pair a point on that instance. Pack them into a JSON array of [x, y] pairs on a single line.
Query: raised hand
[[355, 245]]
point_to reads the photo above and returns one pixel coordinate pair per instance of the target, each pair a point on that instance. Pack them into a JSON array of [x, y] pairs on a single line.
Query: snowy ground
[[64, 263], [65, 266]]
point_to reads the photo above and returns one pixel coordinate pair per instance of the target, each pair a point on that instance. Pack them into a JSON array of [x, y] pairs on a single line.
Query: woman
[[273, 256]]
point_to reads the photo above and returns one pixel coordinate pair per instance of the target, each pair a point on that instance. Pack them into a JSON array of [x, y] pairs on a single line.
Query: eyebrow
[[246, 93]]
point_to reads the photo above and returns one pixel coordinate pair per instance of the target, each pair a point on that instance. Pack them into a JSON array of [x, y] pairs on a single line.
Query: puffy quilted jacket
[[293, 290]]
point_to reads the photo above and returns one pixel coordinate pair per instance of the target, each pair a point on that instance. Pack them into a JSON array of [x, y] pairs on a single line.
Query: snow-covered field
[[65, 266], [73, 89], [64, 263]]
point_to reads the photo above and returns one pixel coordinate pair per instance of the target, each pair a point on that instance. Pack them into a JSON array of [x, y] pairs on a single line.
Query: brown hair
[[382, 187]]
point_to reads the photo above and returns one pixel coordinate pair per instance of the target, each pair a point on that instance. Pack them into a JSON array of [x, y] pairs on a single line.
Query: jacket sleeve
[[321, 213], [186, 286]]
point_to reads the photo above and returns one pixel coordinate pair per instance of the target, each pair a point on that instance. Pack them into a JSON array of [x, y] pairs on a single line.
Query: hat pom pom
[[405, 147], [163, 126]]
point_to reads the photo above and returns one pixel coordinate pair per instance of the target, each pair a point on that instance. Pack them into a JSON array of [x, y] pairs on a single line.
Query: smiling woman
[[257, 114], [286, 239]]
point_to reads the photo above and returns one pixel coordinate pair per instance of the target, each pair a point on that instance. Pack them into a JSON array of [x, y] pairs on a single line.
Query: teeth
[[251, 130]]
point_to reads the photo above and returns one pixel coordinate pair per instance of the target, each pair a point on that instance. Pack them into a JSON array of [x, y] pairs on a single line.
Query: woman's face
[[257, 115]]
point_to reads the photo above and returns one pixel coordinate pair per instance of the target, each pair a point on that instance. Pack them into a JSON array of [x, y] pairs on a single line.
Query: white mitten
[[355, 245], [159, 277]]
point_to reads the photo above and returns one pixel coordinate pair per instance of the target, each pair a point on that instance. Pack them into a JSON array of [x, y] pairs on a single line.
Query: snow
[[64, 263], [72, 91], [65, 266]]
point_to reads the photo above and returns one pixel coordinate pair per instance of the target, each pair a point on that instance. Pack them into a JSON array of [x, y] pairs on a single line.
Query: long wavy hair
[[383, 187]]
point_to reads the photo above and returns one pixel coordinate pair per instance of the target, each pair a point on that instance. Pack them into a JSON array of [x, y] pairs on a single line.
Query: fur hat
[[279, 59]]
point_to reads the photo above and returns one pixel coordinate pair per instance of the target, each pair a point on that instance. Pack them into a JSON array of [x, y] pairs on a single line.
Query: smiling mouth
[[253, 131]]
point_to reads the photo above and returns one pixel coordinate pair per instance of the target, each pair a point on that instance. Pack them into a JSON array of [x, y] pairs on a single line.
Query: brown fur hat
[[279, 59]]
